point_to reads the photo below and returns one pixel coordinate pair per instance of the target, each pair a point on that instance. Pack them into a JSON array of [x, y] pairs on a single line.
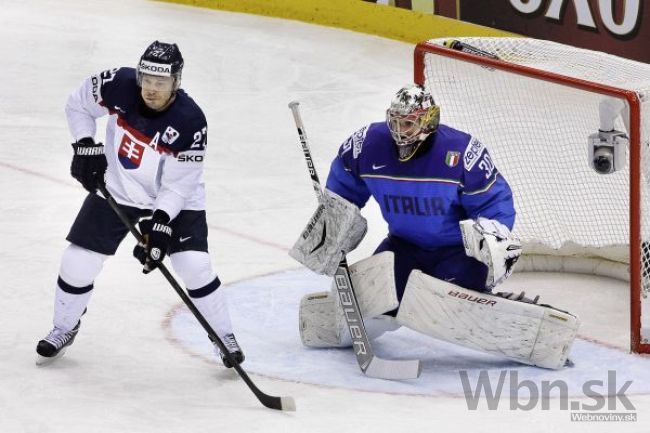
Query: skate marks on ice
[[264, 311]]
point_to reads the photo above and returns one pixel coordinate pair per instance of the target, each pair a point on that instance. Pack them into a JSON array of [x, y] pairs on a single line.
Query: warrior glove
[[157, 236], [88, 163]]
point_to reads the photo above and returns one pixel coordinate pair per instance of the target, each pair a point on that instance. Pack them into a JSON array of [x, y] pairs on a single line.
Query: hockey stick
[[370, 364], [279, 403]]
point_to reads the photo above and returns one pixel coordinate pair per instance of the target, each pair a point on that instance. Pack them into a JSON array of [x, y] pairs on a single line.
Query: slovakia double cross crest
[[132, 147], [130, 153]]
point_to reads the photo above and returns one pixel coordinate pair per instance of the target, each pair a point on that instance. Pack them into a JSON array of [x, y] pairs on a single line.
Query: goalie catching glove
[[335, 229], [491, 243]]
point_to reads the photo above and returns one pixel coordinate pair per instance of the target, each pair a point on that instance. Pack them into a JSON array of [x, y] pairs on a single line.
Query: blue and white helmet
[[412, 116], [161, 60]]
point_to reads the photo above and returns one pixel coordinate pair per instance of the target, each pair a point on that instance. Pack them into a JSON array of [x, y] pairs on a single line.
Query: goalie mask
[[413, 115]]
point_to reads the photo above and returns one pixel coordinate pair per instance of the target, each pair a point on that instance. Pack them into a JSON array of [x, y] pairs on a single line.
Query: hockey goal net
[[534, 107]]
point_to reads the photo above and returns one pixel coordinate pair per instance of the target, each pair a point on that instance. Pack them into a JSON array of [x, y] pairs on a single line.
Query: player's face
[[157, 91], [404, 128]]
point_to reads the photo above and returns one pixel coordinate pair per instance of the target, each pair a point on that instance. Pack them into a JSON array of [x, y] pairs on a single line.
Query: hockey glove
[[334, 230], [491, 243], [157, 235], [88, 163]]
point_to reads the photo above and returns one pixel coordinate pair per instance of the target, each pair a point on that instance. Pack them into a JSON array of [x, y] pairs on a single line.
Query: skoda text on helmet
[[412, 116], [161, 60]]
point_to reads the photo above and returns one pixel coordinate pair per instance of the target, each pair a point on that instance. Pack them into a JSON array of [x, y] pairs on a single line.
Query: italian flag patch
[[452, 159]]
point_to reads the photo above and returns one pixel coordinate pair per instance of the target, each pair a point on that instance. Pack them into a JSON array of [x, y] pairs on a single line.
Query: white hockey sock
[[195, 269], [215, 310], [79, 268], [68, 307]]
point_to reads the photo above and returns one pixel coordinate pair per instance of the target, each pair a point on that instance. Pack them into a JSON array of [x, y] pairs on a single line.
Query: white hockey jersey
[[155, 160]]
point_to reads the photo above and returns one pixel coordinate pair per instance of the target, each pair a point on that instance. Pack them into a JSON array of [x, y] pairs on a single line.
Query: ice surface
[[129, 369]]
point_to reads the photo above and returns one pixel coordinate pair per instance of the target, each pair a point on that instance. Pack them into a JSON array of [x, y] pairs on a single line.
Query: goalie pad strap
[[528, 333], [335, 229]]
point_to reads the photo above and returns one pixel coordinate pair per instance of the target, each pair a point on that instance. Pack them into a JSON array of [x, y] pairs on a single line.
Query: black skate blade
[[46, 360]]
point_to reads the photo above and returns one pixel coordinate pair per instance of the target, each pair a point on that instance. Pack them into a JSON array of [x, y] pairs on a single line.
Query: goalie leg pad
[[321, 318], [373, 280], [320, 323], [528, 333], [323, 325]]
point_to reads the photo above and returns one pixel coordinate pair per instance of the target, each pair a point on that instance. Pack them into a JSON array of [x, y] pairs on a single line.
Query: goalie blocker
[[335, 229]]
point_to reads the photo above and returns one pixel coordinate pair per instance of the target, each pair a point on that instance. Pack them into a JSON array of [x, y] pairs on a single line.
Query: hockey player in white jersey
[[152, 165]]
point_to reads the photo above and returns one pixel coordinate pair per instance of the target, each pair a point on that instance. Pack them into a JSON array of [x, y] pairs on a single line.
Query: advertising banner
[[620, 27]]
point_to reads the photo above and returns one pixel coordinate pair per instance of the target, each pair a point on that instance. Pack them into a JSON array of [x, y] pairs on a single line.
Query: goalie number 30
[[487, 165]]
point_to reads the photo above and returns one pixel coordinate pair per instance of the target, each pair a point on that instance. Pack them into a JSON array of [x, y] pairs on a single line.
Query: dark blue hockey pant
[[445, 263]]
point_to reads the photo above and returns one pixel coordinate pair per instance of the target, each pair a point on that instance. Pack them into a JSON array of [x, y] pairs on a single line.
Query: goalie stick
[[279, 403], [370, 364]]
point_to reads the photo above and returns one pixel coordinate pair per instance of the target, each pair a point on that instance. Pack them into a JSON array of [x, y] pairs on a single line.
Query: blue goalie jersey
[[423, 199]]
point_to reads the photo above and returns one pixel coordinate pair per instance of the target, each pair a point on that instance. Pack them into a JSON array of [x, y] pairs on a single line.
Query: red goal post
[[534, 108]]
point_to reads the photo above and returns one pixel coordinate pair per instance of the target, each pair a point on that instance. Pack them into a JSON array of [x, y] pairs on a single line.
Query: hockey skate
[[55, 344], [233, 347]]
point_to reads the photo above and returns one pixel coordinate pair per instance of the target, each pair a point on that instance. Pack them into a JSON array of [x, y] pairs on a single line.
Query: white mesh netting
[[537, 132]]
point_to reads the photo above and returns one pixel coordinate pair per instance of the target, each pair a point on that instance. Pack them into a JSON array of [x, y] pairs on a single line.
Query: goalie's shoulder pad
[[354, 143], [473, 153]]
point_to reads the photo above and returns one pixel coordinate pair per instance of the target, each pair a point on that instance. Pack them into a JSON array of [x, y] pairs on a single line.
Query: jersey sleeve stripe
[[482, 190]]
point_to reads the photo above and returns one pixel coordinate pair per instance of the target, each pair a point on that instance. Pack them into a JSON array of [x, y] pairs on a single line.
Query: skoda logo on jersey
[[130, 153], [158, 69], [452, 159], [170, 135]]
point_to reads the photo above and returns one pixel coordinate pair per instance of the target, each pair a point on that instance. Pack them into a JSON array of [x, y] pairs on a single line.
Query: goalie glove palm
[[491, 243]]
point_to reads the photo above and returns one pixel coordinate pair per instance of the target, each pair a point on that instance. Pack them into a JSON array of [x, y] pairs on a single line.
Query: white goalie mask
[[412, 116]]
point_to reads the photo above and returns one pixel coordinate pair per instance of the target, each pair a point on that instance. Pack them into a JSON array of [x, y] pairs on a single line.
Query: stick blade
[[278, 403], [393, 369], [288, 404]]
